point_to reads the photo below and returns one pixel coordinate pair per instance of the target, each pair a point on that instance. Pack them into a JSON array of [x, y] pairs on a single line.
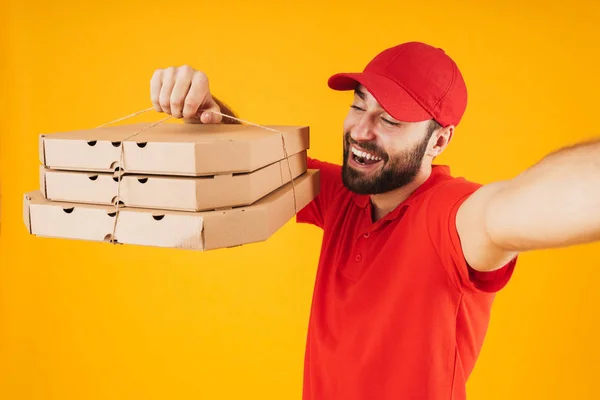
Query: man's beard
[[397, 171]]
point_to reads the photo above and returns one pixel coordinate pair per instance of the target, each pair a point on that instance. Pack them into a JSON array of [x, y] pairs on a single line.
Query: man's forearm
[[555, 203]]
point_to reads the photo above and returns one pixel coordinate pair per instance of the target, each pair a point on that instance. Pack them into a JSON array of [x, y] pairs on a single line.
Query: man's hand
[[183, 92]]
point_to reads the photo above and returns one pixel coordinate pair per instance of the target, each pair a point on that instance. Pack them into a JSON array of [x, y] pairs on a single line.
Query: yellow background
[[92, 321]]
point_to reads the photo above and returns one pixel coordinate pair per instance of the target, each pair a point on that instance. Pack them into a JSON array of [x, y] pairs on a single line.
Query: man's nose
[[363, 130]]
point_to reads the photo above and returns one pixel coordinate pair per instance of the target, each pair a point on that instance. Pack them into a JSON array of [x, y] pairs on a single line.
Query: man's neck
[[386, 202]]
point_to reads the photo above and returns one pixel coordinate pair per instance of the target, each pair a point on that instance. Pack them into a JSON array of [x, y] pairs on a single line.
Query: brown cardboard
[[204, 230], [170, 192], [172, 148]]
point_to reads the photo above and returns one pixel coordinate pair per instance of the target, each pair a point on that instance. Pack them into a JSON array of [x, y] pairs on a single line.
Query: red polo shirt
[[396, 311]]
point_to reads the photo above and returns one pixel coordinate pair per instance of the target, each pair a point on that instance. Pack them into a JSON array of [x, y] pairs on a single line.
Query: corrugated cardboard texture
[[173, 229], [172, 148], [170, 192]]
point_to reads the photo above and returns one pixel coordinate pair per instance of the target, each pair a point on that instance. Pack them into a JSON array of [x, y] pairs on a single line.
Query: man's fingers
[[168, 81], [155, 85], [183, 81], [196, 95], [184, 93], [199, 99], [209, 117]]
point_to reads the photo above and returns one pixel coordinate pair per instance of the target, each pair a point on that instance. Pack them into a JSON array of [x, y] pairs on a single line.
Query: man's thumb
[[212, 114]]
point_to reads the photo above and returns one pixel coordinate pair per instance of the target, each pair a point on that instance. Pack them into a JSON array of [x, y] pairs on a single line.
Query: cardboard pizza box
[[172, 148], [170, 192], [205, 230]]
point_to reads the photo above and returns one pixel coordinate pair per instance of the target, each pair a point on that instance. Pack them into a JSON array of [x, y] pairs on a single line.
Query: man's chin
[[358, 189], [357, 181], [363, 183]]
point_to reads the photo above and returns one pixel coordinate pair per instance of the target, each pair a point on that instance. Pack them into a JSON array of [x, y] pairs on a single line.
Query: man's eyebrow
[[359, 93], [362, 95]]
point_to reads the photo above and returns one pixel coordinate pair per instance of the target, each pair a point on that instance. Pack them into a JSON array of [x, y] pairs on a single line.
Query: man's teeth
[[366, 155]]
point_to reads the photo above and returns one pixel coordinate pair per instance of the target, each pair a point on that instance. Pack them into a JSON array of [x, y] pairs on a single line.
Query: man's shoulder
[[444, 188], [331, 194], [330, 174], [313, 163], [456, 185]]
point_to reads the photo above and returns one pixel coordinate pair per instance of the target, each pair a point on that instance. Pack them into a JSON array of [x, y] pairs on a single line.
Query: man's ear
[[440, 140]]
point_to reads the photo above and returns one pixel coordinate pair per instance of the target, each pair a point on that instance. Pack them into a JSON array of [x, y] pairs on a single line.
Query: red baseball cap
[[413, 82]]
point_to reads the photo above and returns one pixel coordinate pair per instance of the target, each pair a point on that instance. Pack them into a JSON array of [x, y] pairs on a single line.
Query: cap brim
[[391, 96]]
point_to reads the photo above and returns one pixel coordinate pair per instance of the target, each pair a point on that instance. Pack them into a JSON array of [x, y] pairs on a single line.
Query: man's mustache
[[370, 147]]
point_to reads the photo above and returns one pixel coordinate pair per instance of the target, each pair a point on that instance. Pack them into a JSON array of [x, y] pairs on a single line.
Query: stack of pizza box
[[173, 185]]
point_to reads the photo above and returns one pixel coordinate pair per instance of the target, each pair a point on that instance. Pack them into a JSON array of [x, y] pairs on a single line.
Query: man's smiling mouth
[[362, 157]]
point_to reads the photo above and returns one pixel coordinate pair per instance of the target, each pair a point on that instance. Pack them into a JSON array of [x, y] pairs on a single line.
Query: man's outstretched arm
[[555, 203]]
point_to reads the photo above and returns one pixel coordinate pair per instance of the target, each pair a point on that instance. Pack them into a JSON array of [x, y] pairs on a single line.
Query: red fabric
[[396, 312], [413, 82]]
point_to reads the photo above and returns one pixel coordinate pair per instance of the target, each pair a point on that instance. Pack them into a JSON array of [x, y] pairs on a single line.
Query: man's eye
[[387, 121], [356, 107]]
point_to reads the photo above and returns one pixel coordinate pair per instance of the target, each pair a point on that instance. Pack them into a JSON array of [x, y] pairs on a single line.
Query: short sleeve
[[441, 211], [330, 185]]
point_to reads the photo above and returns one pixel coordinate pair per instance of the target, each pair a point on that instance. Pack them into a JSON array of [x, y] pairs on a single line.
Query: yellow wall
[[91, 321]]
